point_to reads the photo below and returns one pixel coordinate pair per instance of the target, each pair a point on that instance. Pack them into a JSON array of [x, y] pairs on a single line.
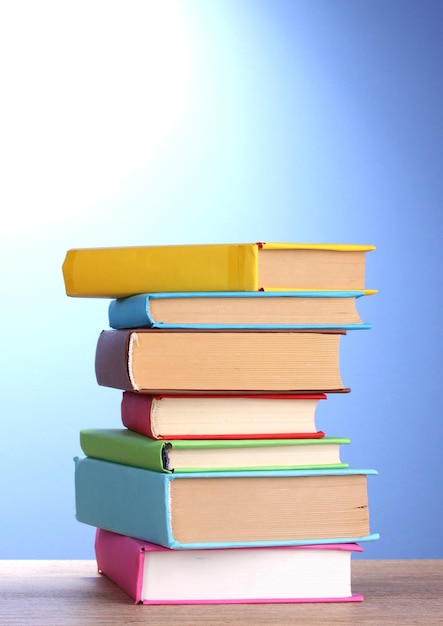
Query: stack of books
[[218, 487]]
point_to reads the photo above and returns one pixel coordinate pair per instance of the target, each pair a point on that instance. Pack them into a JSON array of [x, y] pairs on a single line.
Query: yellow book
[[117, 272]]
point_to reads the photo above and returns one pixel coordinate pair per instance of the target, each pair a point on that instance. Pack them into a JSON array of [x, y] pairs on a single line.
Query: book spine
[[121, 445], [132, 312], [121, 559], [136, 412], [149, 269], [111, 359], [123, 499]]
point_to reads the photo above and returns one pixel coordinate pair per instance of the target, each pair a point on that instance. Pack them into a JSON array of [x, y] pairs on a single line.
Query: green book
[[130, 448]]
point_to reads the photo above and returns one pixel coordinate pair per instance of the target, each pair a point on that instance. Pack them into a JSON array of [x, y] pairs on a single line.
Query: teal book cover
[[273, 309], [224, 509]]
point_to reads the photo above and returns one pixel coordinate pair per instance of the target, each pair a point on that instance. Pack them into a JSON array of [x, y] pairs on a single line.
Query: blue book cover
[[212, 310], [224, 509]]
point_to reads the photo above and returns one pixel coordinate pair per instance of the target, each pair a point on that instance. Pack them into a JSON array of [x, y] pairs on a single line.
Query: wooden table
[[68, 593]]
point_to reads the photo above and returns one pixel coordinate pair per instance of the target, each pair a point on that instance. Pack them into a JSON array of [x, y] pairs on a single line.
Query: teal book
[[224, 509], [121, 445], [271, 309]]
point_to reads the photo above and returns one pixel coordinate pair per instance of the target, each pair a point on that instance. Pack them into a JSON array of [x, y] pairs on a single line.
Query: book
[[221, 417], [304, 309], [152, 574], [259, 361], [224, 509], [117, 272], [124, 446]]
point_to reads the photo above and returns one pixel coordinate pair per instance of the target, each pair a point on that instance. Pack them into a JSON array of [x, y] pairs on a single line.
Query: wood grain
[[68, 593]]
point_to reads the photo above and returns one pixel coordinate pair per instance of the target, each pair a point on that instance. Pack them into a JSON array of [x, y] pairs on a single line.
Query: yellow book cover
[[117, 272]]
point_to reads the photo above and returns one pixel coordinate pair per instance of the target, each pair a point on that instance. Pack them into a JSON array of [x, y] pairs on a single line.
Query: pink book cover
[[121, 559]]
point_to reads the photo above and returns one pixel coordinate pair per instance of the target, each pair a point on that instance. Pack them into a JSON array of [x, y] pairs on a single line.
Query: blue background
[[204, 121]]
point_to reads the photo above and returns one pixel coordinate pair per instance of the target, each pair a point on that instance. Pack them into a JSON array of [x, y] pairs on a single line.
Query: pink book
[[151, 574]]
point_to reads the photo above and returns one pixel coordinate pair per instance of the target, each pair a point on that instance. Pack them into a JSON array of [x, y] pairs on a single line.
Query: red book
[[221, 416]]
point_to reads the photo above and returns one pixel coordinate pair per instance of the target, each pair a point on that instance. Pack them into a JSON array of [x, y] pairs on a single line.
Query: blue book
[[273, 309], [224, 509]]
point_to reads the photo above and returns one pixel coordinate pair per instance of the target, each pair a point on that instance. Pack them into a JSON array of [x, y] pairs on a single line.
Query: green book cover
[[130, 448]]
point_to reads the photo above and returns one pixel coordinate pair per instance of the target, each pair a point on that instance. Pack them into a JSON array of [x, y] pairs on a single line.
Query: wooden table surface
[[68, 593]]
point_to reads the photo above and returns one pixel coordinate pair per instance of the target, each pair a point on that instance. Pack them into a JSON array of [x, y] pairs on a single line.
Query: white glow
[[89, 92]]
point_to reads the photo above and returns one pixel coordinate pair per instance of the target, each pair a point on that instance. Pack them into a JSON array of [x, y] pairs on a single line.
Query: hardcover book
[[124, 446], [151, 574], [118, 272], [221, 417], [257, 361], [304, 309], [224, 509]]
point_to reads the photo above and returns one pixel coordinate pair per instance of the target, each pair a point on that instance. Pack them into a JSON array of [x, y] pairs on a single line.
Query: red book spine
[[136, 412]]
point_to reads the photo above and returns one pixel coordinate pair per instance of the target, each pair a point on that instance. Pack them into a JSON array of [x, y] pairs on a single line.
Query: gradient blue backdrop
[[219, 121]]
